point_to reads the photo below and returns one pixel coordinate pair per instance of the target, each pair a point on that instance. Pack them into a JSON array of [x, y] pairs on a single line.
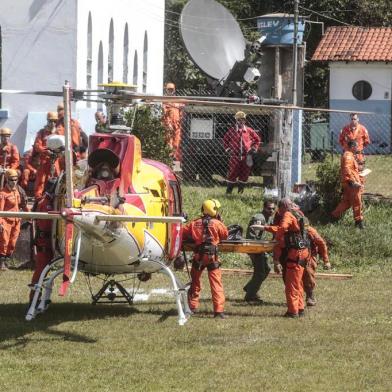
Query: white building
[[360, 78], [87, 42]]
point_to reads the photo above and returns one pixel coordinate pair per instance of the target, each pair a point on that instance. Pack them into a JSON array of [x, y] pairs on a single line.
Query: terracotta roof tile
[[355, 44]]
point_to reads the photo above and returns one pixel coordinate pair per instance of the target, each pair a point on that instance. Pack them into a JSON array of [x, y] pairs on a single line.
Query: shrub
[[328, 184], [148, 127]]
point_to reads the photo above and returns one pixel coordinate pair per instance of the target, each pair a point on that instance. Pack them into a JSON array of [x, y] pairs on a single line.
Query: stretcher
[[239, 246]]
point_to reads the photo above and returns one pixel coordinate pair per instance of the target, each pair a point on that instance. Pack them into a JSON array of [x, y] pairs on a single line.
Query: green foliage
[[148, 127], [328, 183], [181, 70], [350, 249]]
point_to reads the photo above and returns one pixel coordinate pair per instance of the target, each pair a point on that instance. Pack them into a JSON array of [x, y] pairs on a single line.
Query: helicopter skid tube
[[39, 305], [180, 293]]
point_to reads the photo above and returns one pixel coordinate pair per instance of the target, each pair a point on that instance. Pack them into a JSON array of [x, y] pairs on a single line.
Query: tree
[[147, 125], [181, 70]]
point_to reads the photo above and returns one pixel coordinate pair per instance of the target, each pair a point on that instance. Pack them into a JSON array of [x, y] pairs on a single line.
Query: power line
[[326, 17]]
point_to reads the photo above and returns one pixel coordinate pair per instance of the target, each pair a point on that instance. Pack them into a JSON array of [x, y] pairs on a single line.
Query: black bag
[[235, 232]]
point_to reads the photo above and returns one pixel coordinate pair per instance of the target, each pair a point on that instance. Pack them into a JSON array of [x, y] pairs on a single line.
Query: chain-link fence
[[320, 139], [206, 158], [207, 154]]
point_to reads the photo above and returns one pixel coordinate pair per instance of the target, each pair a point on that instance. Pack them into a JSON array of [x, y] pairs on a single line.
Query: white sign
[[202, 128]]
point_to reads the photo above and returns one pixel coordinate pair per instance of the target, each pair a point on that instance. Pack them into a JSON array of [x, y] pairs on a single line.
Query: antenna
[[215, 43], [212, 37]]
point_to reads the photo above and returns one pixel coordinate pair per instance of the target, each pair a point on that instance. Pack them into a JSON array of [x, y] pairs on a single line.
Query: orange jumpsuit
[[172, 121], [44, 169], [29, 171], [9, 156], [42, 241], [360, 135], [206, 232], [318, 247], [75, 132], [295, 260], [10, 200], [349, 172]]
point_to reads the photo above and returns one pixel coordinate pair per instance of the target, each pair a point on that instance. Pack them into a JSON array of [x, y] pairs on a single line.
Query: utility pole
[[295, 52]]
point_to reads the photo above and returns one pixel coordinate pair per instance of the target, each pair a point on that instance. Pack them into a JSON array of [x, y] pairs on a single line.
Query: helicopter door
[[175, 231]]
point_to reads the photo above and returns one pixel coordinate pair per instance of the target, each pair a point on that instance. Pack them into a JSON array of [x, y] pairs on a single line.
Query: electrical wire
[[326, 17]]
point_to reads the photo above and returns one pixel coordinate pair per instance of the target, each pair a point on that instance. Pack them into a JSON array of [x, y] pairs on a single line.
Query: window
[[100, 69], [145, 61], [89, 63], [135, 69], [125, 54], [362, 90], [111, 52]]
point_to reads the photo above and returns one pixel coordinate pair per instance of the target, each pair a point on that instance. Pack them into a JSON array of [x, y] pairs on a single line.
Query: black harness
[[206, 248]]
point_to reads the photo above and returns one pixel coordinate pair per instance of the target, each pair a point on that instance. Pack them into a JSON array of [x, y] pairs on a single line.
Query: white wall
[[343, 76], [38, 53], [45, 43]]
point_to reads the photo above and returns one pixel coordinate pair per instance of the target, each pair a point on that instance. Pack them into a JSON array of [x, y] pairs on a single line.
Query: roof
[[350, 43]]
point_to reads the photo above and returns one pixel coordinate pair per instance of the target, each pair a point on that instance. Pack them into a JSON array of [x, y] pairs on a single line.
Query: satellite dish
[[212, 37]]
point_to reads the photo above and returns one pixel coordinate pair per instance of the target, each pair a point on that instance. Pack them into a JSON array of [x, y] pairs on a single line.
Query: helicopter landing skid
[[112, 296], [43, 290], [180, 294]]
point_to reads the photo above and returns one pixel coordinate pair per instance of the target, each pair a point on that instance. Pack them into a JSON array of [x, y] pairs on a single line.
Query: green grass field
[[378, 181], [343, 344]]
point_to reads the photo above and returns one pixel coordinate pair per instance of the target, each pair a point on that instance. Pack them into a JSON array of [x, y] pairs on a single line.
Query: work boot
[[290, 315], [359, 225], [241, 188], [219, 315], [229, 188], [310, 300], [301, 313], [3, 265], [253, 299]]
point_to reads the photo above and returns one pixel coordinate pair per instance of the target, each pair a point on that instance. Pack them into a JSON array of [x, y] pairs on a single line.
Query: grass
[[378, 181], [351, 249], [344, 343]]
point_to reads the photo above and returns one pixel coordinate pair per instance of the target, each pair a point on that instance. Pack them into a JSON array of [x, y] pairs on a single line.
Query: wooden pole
[[319, 275]]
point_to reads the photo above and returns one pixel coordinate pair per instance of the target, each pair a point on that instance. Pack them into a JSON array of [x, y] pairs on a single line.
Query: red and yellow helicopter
[[125, 218]]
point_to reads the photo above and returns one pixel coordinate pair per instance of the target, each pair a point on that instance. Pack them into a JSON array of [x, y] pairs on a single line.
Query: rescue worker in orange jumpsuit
[[352, 186], [9, 154], [49, 165], [207, 231], [29, 173], [292, 250], [318, 247], [43, 231], [357, 132], [75, 128], [172, 122], [241, 142], [12, 198]]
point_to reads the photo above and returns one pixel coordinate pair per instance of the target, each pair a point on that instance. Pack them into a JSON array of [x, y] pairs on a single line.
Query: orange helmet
[[240, 115], [10, 173], [5, 132], [52, 116]]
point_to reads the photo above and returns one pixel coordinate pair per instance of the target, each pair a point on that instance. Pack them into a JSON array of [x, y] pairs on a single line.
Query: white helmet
[[56, 142]]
